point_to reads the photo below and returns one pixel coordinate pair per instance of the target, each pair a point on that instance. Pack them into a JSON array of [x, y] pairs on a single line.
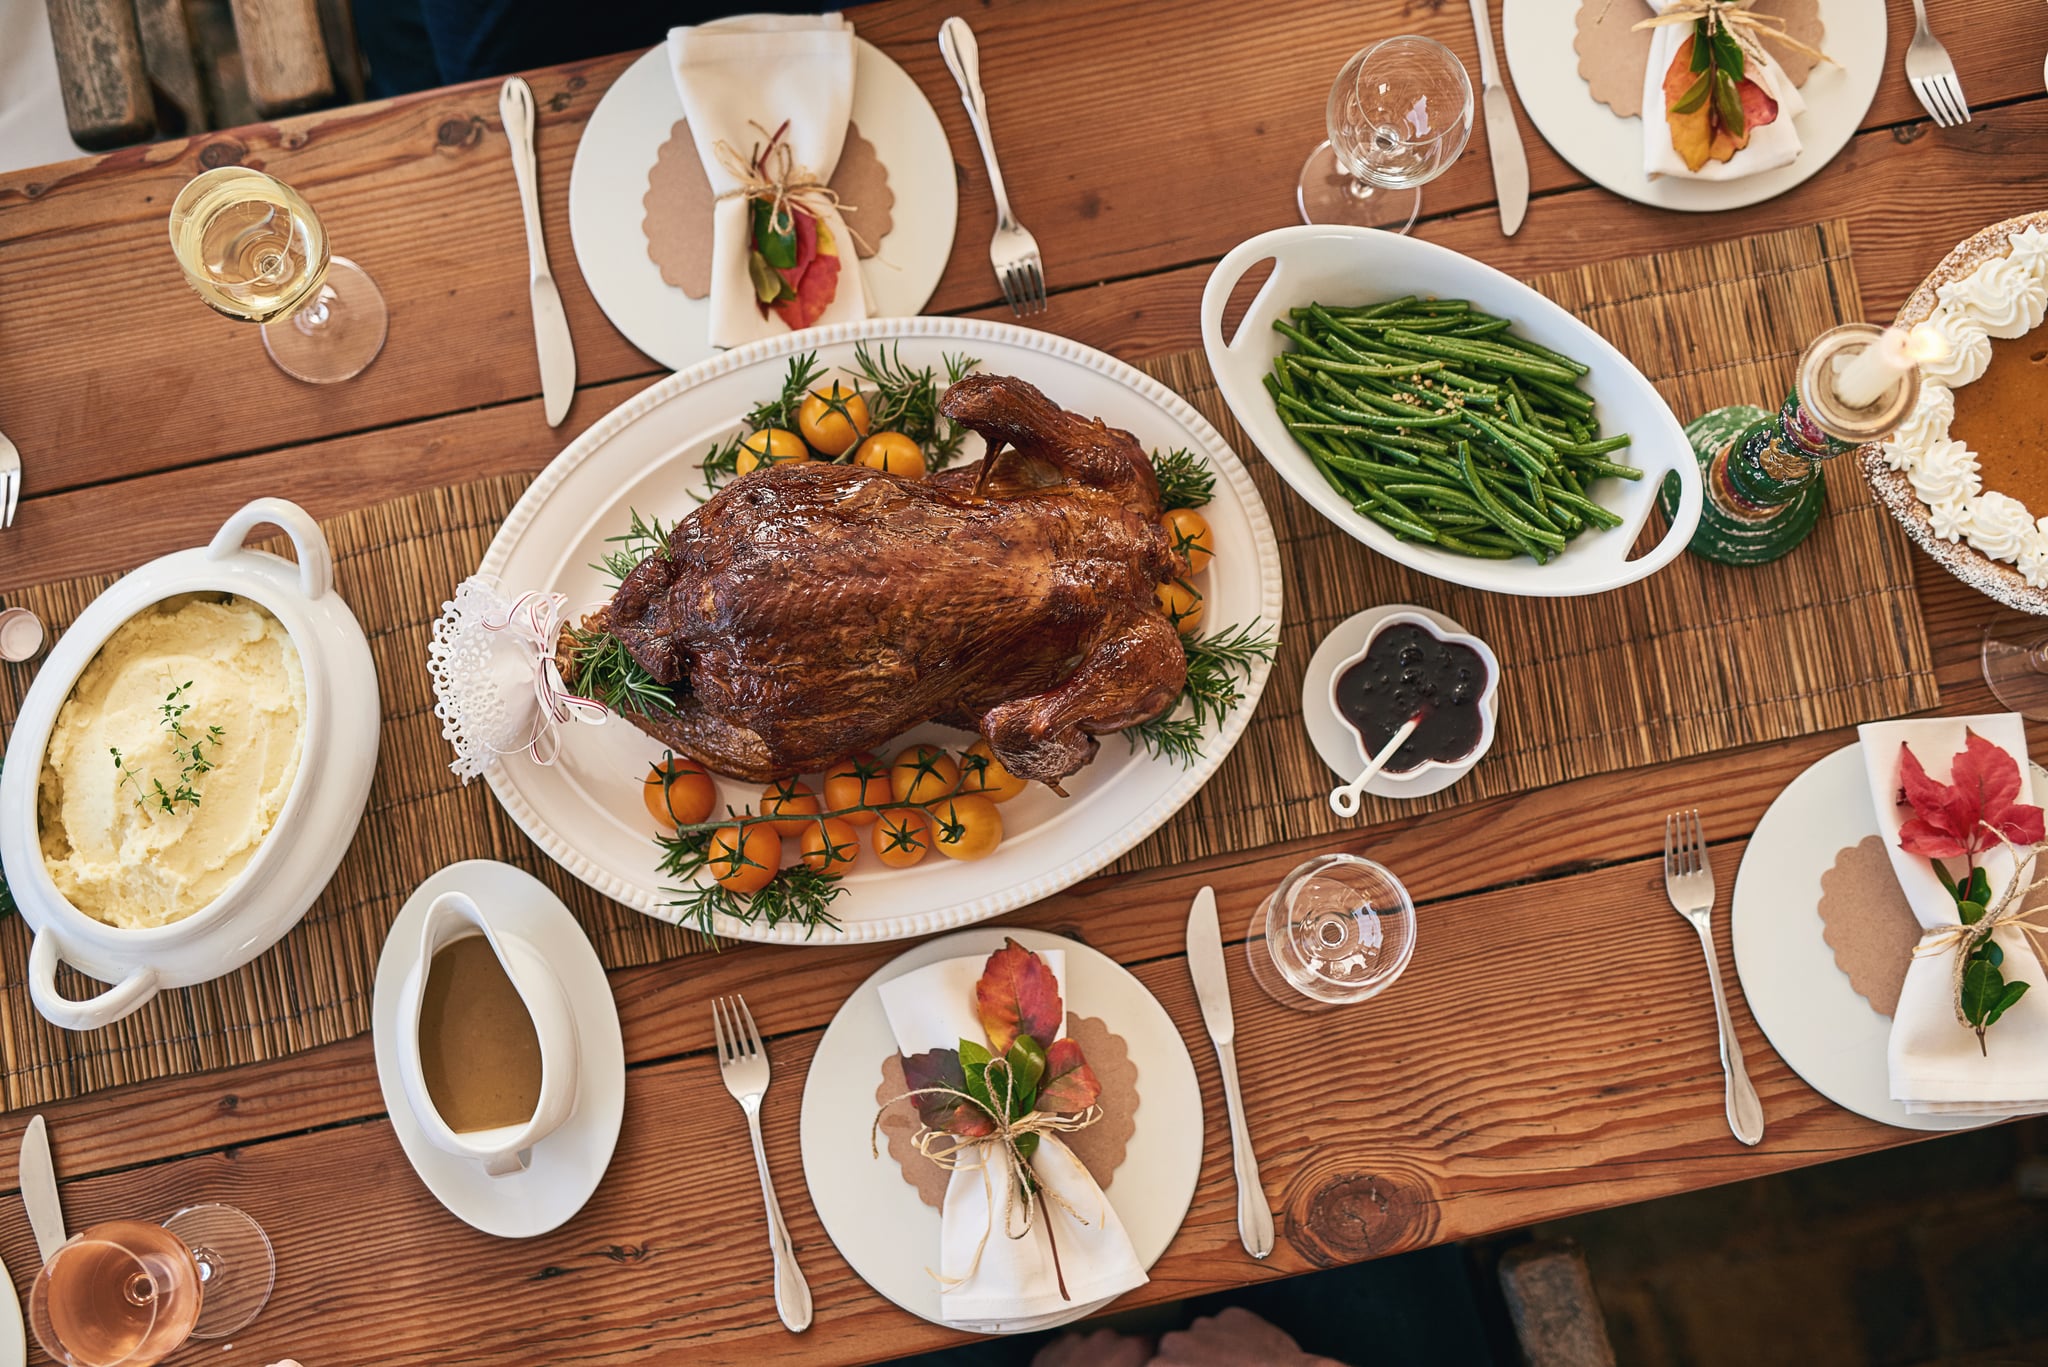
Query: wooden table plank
[[419, 191]]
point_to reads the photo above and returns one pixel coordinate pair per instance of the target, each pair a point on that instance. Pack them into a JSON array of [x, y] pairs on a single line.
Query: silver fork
[[10, 481], [1933, 74], [1014, 252], [743, 1060], [1689, 881]]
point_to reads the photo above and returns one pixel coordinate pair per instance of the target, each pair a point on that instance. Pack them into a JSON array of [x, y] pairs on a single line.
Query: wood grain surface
[[1583, 1071]]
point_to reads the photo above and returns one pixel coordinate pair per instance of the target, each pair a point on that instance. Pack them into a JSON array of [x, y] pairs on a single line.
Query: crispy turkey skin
[[811, 610]]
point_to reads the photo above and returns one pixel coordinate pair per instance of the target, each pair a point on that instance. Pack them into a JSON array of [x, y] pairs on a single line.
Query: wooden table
[[1141, 142]]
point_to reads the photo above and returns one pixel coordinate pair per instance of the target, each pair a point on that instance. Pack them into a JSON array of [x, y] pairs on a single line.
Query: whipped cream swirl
[[2033, 561], [2000, 525], [2002, 295], [1925, 425], [2030, 249], [1950, 521], [1947, 473], [1968, 348]]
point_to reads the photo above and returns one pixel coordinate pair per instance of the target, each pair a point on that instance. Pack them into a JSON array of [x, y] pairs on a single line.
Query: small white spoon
[[1344, 801]]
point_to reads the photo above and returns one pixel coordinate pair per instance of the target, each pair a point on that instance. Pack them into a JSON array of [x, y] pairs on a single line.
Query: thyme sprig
[[189, 749], [905, 399], [1219, 666]]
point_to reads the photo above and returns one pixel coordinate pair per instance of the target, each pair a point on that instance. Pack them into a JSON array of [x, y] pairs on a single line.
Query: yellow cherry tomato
[[1189, 532], [792, 800], [745, 862], [902, 837], [854, 781], [770, 446], [1182, 604], [830, 845], [923, 774], [678, 792], [892, 452], [966, 828], [834, 420], [983, 775]]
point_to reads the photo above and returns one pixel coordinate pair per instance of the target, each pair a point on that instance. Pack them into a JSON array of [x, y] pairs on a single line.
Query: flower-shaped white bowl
[[1484, 702], [314, 827], [1339, 265]]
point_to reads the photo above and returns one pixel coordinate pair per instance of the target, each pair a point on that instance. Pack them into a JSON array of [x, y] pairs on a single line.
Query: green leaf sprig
[[1986, 995], [1717, 59]]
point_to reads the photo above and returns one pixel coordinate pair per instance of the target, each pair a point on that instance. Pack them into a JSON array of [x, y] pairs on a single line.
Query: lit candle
[[1866, 376]]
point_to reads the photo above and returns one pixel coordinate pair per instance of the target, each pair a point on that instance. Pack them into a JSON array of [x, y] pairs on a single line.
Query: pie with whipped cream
[[1967, 472]]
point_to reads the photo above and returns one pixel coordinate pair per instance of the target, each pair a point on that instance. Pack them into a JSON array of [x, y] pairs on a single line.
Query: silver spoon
[[1344, 801]]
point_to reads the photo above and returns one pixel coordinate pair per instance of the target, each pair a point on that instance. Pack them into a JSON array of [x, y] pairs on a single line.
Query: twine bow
[[2010, 910], [771, 174], [536, 617], [1736, 19], [999, 1148]]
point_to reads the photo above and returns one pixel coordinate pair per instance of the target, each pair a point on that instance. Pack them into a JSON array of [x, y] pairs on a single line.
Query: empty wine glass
[[1399, 115], [253, 249], [2017, 672], [1338, 930], [127, 1293]]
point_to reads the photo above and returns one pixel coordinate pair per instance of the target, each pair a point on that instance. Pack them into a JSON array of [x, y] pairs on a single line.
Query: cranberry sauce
[[1407, 669]]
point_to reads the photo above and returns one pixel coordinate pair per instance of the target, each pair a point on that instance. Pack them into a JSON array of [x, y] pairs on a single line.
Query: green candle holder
[[1761, 471]]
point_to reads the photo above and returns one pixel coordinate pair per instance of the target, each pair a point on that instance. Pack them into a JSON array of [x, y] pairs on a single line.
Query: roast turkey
[[811, 610]]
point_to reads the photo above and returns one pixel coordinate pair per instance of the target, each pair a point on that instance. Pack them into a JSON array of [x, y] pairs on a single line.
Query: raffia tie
[[998, 1149], [1739, 21], [782, 183], [2010, 911]]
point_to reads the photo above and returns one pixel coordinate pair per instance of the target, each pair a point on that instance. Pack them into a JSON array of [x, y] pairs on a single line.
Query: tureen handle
[[123, 998], [316, 562]]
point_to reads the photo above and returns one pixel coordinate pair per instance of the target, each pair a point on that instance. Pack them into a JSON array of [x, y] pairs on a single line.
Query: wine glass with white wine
[[253, 249]]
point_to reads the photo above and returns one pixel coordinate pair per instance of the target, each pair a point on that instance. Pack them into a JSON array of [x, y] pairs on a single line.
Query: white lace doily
[[497, 690]]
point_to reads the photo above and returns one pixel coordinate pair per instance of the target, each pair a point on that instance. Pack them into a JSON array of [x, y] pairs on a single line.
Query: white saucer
[[1823, 1029], [568, 1164], [1538, 36], [1337, 743], [875, 1219], [608, 182]]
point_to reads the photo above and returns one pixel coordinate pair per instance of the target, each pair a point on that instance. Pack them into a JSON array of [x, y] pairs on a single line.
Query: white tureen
[[321, 810]]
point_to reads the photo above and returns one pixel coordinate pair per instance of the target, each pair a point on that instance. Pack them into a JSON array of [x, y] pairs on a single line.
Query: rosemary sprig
[[641, 539], [1185, 481], [906, 399], [797, 894], [720, 462], [1218, 667], [601, 669]]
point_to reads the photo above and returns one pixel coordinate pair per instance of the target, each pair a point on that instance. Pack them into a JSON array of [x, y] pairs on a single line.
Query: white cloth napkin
[[1770, 146], [1014, 1288], [1936, 1065], [764, 69]]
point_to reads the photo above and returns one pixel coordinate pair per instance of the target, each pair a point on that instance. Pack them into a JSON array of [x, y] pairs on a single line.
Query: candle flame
[[1923, 343]]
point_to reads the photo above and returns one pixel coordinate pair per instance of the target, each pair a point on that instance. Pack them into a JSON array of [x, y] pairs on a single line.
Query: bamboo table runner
[[1698, 658]]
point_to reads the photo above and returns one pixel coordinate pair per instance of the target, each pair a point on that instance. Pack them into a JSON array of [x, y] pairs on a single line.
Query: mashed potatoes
[[110, 843]]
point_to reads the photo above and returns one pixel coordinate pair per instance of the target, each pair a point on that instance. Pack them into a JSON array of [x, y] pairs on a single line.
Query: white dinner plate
[[1823, 1029], [1609, 151], [875, 1219], [1336, 743], [608, 182], [568, 1164], [586, 811]]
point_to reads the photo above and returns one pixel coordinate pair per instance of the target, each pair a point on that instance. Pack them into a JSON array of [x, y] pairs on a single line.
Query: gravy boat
[[506, 1149]]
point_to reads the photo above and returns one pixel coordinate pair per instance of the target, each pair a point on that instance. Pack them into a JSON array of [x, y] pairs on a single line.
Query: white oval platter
[[585, 811]]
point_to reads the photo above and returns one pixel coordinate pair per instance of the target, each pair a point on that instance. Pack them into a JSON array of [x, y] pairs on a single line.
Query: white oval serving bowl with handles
[[1339, 265], [313, 829], [1464, 763]]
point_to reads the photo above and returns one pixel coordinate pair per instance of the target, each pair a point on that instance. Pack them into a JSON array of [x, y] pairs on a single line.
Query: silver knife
[[1503, 139], [39, 1189], [550, 324], [1212, 990]]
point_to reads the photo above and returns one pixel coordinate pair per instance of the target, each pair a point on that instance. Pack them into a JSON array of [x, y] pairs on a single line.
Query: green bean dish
[[1439, 423]]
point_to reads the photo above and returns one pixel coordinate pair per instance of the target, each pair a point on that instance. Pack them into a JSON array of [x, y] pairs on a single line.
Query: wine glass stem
[[314, 315]]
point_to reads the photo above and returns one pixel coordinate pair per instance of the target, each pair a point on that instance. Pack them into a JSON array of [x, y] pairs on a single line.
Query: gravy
[[2003, 417], [479, 1052]]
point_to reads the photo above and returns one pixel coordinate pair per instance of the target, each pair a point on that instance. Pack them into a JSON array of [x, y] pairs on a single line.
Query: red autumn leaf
[[1017, 995], [1959, 817], [814, 292], [951, 1114], [1758, 108], [1069, 1084]]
